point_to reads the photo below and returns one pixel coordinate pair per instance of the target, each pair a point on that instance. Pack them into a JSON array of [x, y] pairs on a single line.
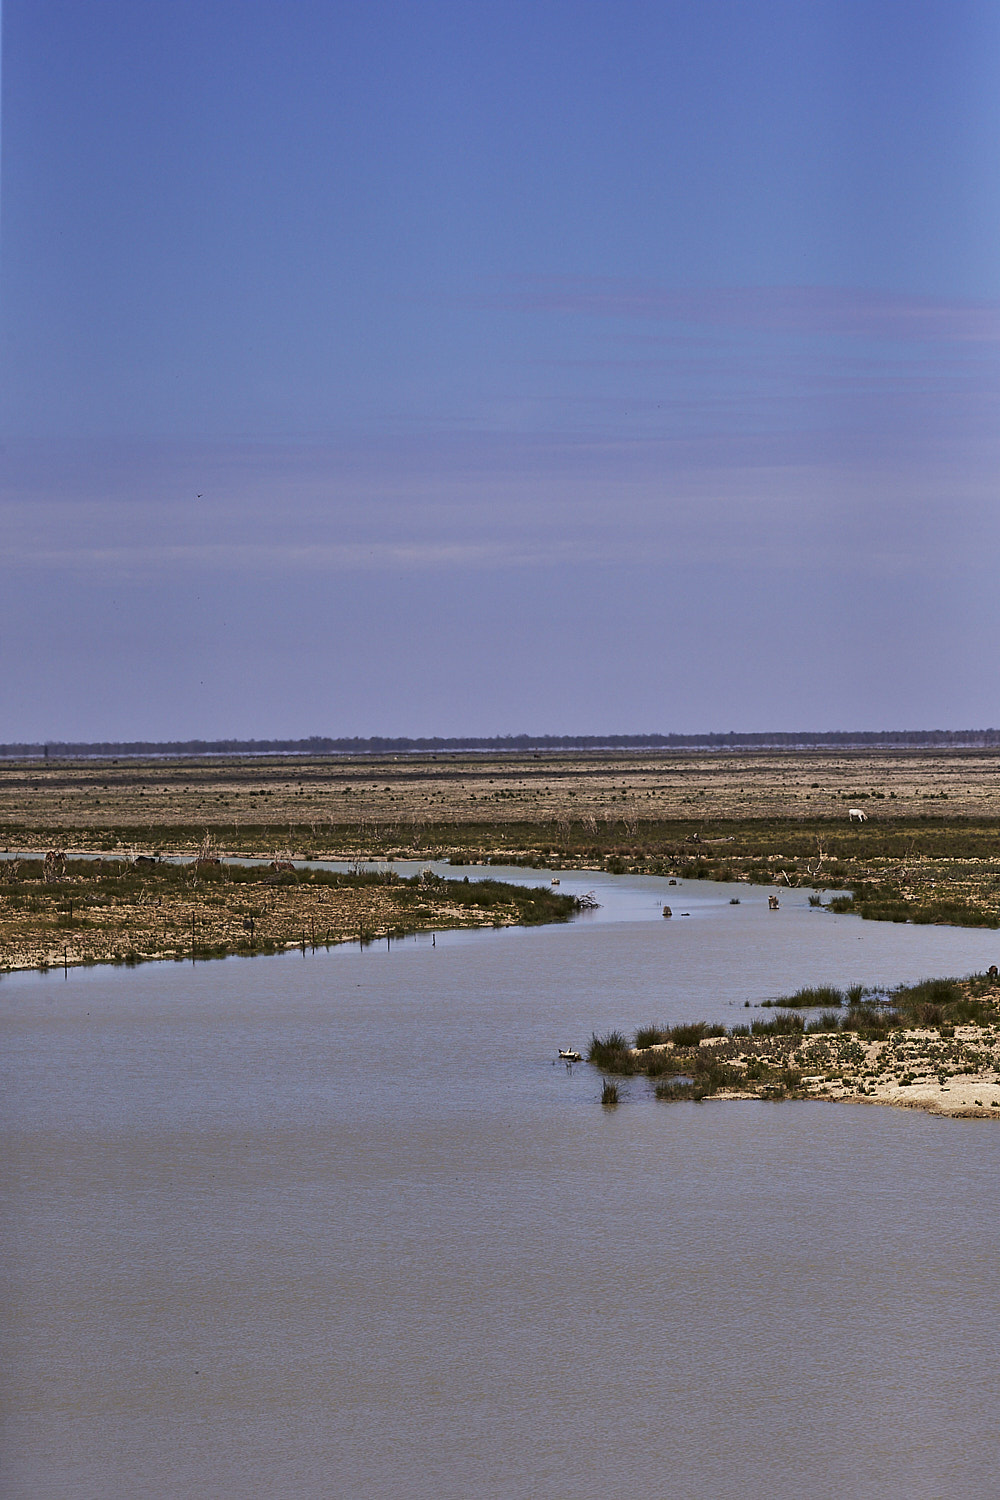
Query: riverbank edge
[[445, 905], [961, 1099]]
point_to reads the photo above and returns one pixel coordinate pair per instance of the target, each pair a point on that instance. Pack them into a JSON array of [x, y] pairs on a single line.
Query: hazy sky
[[415, 368]]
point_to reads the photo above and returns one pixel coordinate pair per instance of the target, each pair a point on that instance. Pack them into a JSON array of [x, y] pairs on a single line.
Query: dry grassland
[[329, 799]]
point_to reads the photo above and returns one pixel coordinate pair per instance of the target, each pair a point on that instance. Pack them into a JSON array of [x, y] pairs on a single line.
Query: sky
[[402, 367]]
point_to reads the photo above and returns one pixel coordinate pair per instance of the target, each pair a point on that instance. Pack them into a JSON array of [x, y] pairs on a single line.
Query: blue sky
[[436, 368]]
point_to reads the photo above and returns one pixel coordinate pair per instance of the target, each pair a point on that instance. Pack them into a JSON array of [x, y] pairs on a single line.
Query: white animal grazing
[[856, 815]]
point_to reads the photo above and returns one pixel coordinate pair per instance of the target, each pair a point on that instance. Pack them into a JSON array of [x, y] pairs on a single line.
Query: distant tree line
[[915, 739]]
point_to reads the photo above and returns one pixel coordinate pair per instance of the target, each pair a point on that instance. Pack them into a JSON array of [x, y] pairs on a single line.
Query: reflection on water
[[335, 1224]]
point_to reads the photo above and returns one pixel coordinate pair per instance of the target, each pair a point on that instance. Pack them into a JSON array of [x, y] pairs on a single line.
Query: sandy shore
[[971, 1089]]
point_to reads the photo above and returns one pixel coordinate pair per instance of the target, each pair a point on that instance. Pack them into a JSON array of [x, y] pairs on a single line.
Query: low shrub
[[691, 1033], [813, 996], [871, 1020], [652, 1036], [828, 1021], [784, 1024], [710, 1076], [611, 1053], [655, 1064], [929, 992], [672, 1092]]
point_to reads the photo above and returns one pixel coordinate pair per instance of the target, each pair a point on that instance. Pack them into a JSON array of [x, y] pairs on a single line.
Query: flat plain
[[339, 801], [927, 850]]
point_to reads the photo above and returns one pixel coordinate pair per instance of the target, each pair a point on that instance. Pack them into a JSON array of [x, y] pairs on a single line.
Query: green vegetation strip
[[921, 868]]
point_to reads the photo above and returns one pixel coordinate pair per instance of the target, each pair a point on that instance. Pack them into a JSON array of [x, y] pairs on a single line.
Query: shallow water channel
[[335, 1224]]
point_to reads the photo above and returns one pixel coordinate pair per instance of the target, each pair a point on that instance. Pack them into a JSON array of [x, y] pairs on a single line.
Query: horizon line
[[384, 744]]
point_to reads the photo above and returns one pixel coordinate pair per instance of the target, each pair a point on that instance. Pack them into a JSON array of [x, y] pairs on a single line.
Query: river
[[335, 1224]]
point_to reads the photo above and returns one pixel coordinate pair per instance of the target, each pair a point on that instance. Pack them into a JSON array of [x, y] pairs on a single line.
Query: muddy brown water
[[337, 1225]]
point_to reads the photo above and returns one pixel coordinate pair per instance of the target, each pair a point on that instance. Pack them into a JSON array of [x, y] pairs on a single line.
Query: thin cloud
[[240, 557], [801, 310]]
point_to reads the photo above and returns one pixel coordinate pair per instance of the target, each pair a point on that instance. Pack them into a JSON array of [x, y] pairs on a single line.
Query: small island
[[933, 1046]]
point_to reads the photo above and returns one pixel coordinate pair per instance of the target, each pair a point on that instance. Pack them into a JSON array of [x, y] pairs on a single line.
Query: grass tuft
[[673, 1092]]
